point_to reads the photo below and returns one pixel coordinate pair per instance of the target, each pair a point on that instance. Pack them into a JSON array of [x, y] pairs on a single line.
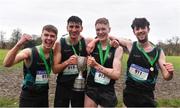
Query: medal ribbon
[[48, 68], [74, 50], [147, 56], [103, 57]]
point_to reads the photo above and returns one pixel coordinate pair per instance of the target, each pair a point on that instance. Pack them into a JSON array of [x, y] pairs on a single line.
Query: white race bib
[[41, 77], [138, 72], [70, 70], [101, 78]]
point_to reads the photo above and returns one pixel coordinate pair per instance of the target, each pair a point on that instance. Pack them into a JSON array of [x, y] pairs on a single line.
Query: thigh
[[92, 93], [88, 102]]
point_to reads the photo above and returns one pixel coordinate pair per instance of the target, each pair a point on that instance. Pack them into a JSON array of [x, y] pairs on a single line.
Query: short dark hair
[[140, 23], [102, 21], [50, 28], [75, 19]]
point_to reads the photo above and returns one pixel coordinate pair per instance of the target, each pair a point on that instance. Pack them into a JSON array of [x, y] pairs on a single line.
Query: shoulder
[[119, 49], [88, 39], [26, 53]]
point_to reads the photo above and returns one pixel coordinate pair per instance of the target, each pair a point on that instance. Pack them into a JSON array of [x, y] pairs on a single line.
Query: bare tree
[[16, 34], [171, 46], [2, 43]]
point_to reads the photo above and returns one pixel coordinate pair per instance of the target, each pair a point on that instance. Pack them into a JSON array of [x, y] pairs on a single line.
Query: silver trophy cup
[[79, 82]]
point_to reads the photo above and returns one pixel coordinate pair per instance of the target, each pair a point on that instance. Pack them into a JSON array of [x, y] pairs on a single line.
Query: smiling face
[[141, 33], [102, 28], [49, 36], [141, 29], [48, 39], [102, 31], [74, 29]]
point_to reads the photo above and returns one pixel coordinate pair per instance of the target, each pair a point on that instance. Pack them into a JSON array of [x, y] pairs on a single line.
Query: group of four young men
[[104, 61]]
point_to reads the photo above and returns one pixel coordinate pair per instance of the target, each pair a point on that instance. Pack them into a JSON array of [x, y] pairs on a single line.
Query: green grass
[[168, 103], [161, 102], [7, 102], [176, 62], [2, 56]]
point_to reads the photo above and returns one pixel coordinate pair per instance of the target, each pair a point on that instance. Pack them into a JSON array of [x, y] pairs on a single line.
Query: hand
[[72, 60], [169, 67], [90, 47], [24, 38], [114, 43], [91, 61]]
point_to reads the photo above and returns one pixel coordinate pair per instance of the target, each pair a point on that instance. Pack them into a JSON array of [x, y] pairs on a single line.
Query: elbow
[[116, 76], [5, 64], [168, 78], [54, 71]]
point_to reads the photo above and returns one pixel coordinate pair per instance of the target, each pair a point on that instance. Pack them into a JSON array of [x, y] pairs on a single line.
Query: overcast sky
[[31, 15]]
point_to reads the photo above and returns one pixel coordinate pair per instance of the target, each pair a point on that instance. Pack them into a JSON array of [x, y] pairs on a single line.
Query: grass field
[[2, 55], [4, 101]]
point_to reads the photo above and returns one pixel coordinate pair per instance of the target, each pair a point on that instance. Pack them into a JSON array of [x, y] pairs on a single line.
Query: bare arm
[[113, 73], [13, 56], [166, 68], [58, 65], [123, 42], [90, 44]]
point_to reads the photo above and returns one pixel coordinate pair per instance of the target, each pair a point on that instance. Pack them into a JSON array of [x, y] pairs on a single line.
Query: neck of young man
[[45, 50], [74, 41], [147, 46], [104, 43]]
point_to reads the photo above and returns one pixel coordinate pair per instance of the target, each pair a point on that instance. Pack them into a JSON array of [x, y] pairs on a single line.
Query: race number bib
[[41, 77], [70, 70], [101, 78], [138, 72]]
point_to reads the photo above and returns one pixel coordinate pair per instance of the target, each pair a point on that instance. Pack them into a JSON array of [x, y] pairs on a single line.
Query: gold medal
[[151, 69]]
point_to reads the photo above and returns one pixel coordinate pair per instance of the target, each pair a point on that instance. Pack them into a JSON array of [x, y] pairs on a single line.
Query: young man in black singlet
[[105, 69], [37, 67], [66, 51], [145, 59]]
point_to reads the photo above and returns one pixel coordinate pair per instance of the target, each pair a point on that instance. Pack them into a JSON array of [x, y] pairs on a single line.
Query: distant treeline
[[171, 47]]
